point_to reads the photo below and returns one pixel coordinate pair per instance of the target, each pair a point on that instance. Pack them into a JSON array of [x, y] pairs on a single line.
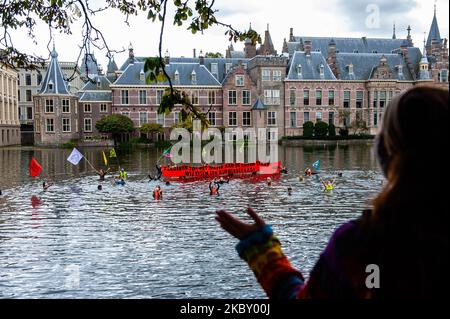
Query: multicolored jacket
[[339, 272]]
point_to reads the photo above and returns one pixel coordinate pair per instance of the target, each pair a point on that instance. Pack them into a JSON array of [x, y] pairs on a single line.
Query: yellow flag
[[104, 158], [112, 153]]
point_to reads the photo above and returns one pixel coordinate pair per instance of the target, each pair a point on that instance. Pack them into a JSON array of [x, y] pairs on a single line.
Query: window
[[37, 126], [66, 125], [390, 95], [29, 113], [215, 69], [49, 106], [277, 75], [305, 117], [126, 114], [177, 77], [193, 77], [124, 96], [39, 79], [382, 99], [212, 118], [306, 97], [359, 99], [443, 76], [265, 75], [160, 119], [246, 119], [331, 97], [330, 118], [246, 97], [292, 97], [232, 119], [87, 108], [272, 97], [88, 125], [50, 125], [211, 97], [159, 94], [293, 119], [65, 105], [232, 98], [18, 95], [50, 85], [176, 117], [271, 136], [194, 97], [239, 80], [276, 97], [375, 99], [228, 67], [27, 79], [103, 108], [318, 116], [28, 95], [271, 118], [143, 118], [319, 97], [346, 98], [143, 97], [375, 119]]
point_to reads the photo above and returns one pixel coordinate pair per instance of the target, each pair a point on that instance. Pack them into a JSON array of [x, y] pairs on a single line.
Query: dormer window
[[177, 77], [299, 71], [98, 82], [355, 51], [215, 69], [322, 71], [193, 77], [142, 75], [50, 85], [350, 69], [374, 51], [228, 67], [400, 70]]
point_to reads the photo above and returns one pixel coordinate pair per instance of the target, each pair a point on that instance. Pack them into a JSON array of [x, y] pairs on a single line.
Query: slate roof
[[259, 105], [434, 33], [96, 90], [55, 77], [347, 45], [95, 96], [132, 75], [365, 63], [310, 67]]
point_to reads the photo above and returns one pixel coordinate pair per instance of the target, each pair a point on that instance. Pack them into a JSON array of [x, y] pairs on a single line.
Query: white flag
[[75, 157]]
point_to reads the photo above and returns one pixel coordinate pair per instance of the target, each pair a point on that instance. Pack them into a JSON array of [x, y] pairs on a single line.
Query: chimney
[[131, 53], [195, 53], [167, 57], [331, 58], [308, 47], [291, 35], [201, 57]]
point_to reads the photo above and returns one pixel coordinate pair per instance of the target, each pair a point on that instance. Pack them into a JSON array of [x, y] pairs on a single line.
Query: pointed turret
[[267, 48], [112, 67], [424, 73], [434, 34], [393, 32], [408, 37], [285, 47], [54, 82]]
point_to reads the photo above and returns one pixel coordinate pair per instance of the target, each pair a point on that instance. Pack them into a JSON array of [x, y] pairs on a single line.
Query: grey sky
[[338, 18]]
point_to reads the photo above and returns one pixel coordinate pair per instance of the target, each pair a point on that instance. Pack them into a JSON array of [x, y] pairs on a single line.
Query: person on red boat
[[157, 193], [214, 187]]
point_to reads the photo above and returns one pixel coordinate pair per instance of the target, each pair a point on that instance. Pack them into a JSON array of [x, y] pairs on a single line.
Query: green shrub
[[343, 131], [71, 144], [308, 129], [320, 129], [139, 140]]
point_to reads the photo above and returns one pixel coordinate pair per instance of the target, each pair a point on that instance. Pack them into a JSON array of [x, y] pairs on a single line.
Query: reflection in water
[[124, 244]]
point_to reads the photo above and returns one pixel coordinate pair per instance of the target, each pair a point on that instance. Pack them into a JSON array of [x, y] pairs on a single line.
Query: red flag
[[35, 168]]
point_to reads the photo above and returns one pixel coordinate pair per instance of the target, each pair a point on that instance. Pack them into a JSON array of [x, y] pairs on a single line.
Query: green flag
[[167, 151], [112, 153]]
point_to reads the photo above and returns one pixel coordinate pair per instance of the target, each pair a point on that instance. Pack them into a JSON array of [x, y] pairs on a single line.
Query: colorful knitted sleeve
[[262, 251]]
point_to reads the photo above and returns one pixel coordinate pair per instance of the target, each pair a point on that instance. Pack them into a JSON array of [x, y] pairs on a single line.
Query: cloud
[[375, 17]]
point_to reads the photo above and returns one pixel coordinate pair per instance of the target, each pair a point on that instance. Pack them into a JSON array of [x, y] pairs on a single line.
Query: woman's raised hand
[[236, 227]]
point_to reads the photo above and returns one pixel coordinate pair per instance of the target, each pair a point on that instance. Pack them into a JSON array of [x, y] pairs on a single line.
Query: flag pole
[[90, 163]]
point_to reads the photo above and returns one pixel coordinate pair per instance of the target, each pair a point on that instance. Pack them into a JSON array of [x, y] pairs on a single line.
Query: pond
[[74, 241]]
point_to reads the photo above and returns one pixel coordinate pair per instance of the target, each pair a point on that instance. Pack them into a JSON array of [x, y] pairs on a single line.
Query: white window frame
[[212, 97], [249, 118], [249, 98], [69, 124], [234, 118], [239, 80], [52, 125], [124, 97], [85, 120], [319, 116], [293, 118], [232, 98], [103, 110], [90, 108], [195, 97], [271, 118], [49, 105], [63, 106], [212, 118], [215, 69], [276, 75], [228, 67], [265, 75], [146, 118], [159, 95], [161, 119], [142, 97]]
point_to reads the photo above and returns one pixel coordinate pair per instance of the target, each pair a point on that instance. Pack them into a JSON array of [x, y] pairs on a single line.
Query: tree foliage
[[320, 129], [115, 124], [213, 55], [149, 128], [308, 129]]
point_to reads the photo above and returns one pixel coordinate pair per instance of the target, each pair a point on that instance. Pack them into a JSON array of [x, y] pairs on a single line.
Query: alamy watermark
[[373, 279], [230, 147]]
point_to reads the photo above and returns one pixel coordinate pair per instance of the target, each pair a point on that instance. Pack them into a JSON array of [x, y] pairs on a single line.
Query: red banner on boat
[[35, 168]]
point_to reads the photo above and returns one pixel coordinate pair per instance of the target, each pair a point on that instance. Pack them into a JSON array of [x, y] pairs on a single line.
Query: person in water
[[119, 181], [45, 185], [157, 192], [283, 170], [123, 174], [329, 185], [289, 190], [214, 187], [101, 173], [222, 181], [269, 181], [408, 216], [308, 172], [99, 187]]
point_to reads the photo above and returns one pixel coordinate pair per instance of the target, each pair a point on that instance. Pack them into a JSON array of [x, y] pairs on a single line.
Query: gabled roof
[[132, 75], [310, 67], [365, 63], [95, 96], [259, 105], [112, 66], [347, 45], [98, 83], [96, 90], [54, 82]]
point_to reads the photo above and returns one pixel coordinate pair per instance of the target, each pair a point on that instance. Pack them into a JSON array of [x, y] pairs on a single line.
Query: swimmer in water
[[99, 187], [289, 191], [157, 192], [45, 186], [329, 185], [308, 172], [101, 173], [214, 187], [269, 181], [283, 170]]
